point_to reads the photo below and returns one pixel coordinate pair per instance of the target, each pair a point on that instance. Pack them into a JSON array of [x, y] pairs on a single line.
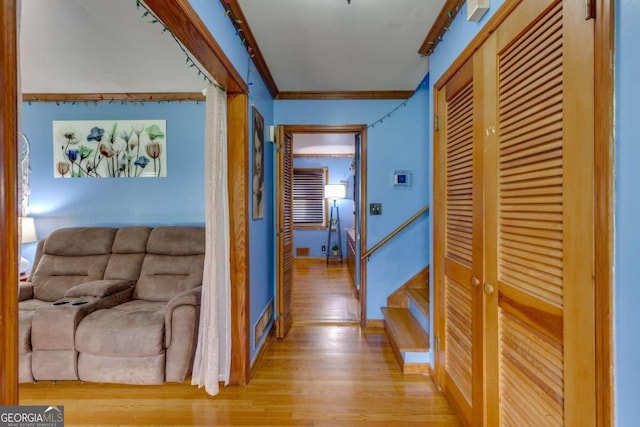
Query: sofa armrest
[[25, 291], [98, 288], [190, 297]]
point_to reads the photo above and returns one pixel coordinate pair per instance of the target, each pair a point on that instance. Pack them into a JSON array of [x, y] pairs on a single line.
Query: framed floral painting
[[109, 149]]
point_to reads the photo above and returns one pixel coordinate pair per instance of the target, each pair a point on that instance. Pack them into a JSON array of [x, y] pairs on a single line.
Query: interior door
[[284, 232], [458, 259], [540, 246]]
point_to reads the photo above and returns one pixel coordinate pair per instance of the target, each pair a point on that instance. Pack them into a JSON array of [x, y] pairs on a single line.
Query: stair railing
[[395, 232]]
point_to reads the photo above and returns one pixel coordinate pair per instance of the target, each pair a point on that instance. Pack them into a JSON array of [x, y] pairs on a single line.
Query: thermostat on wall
[[402, 178]]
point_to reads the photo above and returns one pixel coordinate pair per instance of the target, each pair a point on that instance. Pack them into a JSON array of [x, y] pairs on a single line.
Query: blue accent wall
[[627, 214], [261, 231], [338, 171], [400, 142], [64, 202]]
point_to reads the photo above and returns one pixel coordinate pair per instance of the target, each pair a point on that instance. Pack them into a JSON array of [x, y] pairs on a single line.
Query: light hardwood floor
[[319, 375], [323, 293]]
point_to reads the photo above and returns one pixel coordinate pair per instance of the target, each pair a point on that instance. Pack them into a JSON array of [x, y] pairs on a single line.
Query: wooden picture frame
[[258, 164]]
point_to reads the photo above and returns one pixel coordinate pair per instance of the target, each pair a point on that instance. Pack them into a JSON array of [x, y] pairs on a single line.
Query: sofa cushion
[[80, 241], [128, 252], [24, 330], [127, 330], [131, 240], [32, 304], [165, 276], [56, 274], [71, 256], [176, 240], [98, 288]]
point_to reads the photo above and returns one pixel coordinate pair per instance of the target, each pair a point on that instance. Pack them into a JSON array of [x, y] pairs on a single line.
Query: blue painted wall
[[179, 198], [627, 216], [261, 231], [338, 171], [398, 143], [176, 199]]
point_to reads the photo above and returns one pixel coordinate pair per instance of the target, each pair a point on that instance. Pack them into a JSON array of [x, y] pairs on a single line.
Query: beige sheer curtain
[[213, 353]]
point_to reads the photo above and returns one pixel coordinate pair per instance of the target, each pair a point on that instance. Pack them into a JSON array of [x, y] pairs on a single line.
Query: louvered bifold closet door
[[459, 237], [284, 234], [544, 246]]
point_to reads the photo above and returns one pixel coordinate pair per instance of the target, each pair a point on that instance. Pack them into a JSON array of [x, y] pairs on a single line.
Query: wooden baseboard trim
[[375, 324], [309, 259], [261, 352], [416, 369]]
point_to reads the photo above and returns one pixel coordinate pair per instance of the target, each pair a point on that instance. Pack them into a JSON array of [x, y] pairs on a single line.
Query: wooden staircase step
[[404, 330], [420, 297]]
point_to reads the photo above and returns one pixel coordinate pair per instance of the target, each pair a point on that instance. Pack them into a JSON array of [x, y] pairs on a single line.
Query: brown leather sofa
[[112, 305]]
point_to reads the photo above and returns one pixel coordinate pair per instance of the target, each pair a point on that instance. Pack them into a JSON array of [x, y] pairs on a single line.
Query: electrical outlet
[[324, 248]]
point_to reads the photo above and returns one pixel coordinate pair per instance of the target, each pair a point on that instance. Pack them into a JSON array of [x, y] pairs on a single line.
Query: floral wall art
[[109, 149]]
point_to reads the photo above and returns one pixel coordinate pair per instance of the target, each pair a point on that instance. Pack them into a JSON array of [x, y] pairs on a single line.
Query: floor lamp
[[334, 192]]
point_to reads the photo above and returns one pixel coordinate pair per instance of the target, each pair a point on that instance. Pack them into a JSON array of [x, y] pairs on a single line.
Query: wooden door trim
[[8, 206], [492, 24], [438, 235], [183, 21], [237, 121], [604, 153], [238, 176], [603, 219], [363, 225], [362, 130]]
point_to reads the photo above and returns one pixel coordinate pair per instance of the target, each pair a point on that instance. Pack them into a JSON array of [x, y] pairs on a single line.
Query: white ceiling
[[330, 45], [324, 143], [98, 46], [102, 46]]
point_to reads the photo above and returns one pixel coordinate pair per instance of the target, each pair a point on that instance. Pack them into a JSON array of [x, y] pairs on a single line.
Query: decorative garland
[[402, 104], [111, 101], [451, 15], [237, 25], [189, 61]]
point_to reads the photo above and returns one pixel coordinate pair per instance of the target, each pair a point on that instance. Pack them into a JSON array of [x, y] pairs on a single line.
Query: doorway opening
[[318, 252]]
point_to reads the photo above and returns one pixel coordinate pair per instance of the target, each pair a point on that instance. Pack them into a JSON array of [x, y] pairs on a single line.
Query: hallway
[[323, 293], [316, 376]]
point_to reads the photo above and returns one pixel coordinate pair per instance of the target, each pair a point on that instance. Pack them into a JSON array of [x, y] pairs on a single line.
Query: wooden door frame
[[181, 20], [355, 129], [604, 209], [604, 215], [8, 206]]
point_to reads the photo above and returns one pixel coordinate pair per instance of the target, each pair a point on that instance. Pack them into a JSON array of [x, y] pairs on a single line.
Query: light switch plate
[[375, 208]]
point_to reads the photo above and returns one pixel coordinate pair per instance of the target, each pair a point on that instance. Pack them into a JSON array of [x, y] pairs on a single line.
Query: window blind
[[309, 206]]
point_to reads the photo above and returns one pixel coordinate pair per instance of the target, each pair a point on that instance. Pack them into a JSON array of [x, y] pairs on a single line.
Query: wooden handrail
[[395, 232]]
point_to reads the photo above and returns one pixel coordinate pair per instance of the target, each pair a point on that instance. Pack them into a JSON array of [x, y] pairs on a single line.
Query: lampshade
[[335, 191], [28, 230]]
